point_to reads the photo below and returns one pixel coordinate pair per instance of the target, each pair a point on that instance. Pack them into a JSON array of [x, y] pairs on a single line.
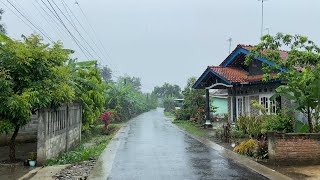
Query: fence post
[[42, 136]]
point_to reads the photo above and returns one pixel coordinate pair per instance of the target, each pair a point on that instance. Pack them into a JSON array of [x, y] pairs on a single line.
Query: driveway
[[154, 149]]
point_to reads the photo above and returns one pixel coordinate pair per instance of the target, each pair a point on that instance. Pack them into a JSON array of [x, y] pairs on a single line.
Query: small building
[[178, 103], [244, 83]]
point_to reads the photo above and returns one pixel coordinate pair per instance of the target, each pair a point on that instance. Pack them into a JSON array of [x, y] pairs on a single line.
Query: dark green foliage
[[106, 74], [33, 75], [126, 101], [89, 90], [282, 122], [301, 71], [237, 133], [251, 125], [168, 104], [182, 114], [261, 152], [167, 90], [194, 103]]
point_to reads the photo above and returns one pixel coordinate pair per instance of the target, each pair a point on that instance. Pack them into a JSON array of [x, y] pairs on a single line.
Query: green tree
[[127, 80], [32, 76], [106, 74], [89, 89], [126, 101], [2, 27], [194, 102], [299, 71], [167, 90]]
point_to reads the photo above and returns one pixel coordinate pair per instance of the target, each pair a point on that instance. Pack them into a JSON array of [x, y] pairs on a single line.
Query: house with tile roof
[[244, 83]]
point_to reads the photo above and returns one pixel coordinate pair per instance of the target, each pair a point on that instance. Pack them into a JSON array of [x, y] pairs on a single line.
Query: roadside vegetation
[[35, 75], [92, 145], [190, 127]]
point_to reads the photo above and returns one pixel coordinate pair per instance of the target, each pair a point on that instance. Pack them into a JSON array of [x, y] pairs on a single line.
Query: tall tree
[[32, 75], [89, 89], [300, 71], [167, 90], [106, 73], [2, 26], [127, 80]]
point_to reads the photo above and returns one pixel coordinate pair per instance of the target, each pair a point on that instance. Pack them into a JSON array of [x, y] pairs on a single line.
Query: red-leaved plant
[[106, 118]]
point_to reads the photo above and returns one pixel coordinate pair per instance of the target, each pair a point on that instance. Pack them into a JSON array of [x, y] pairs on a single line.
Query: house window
[[239, 106], [243, 105], [269, 105]]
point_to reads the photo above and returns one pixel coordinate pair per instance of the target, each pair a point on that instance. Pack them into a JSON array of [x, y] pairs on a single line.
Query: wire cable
[[44, 34]]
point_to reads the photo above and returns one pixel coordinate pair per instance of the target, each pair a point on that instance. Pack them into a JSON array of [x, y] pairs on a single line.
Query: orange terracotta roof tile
[[235, 75]]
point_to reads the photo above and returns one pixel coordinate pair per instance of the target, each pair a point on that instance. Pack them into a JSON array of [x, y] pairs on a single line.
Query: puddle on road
[[13, 171]]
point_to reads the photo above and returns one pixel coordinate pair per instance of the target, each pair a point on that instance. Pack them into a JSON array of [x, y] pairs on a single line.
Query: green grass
[[81, 153], [169, 114], [190, 127]]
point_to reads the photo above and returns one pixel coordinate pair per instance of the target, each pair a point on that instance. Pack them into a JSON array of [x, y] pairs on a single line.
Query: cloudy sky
[[162, 40]]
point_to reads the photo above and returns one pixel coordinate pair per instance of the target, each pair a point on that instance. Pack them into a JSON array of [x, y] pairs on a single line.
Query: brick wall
[[293, 147]]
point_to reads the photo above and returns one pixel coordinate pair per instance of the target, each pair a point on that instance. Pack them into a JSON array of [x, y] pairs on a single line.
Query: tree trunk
[[12, 144], [310, 121]]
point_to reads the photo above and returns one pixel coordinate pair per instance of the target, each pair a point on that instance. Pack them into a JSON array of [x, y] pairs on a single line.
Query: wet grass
[[169, 114], [190, 127], [92, 145]]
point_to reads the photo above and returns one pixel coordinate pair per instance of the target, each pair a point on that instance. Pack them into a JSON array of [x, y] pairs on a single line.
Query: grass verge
[[190, 127], [92, 145], [169, 114]]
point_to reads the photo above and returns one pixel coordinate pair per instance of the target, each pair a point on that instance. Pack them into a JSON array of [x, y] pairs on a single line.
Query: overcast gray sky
[[169, 40]]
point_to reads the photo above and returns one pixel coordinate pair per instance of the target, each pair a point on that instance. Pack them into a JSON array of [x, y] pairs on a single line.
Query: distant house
[[244, 83]]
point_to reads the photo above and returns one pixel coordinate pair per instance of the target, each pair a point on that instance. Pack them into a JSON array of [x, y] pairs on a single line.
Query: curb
[[103, 167], [30, 173], [253, 165], [43, 173]]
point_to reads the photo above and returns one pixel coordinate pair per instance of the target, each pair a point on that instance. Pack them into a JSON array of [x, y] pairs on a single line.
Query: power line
[[24, 16], [57, 30], [77, 30], [63, 24], [82, 27], [94, 32]]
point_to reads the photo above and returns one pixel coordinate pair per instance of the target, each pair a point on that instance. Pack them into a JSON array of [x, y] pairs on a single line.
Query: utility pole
[[230, 41], [267, 29], [262, 16]]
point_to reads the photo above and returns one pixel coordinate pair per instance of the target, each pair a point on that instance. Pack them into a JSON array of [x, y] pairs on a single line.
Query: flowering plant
[[106, 117]]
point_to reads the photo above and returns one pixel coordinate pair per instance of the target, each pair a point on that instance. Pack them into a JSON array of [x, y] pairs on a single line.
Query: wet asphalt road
[[154, 149]]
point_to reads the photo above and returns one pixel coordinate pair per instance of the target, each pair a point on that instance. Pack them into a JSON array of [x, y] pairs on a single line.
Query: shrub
[[182, 114], [247, 147], [251, 125], [168, 104], [237, 133], [283, 122], [220, 133], [261, 151]]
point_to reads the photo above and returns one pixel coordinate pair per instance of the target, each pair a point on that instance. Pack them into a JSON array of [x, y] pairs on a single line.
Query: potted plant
[[32, 159]]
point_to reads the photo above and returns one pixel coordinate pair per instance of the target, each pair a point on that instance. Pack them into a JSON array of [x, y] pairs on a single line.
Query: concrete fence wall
[[293, 147], [58, 131]]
